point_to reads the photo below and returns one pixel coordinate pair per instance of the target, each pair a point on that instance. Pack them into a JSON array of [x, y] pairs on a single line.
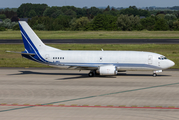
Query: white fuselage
[[124, 60]]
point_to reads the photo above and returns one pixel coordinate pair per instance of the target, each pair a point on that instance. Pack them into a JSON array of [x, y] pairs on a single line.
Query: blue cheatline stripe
[[31, 58], [27, 42], [128, 65]]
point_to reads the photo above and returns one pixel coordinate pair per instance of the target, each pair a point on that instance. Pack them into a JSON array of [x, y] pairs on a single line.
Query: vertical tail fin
[[32, 42]]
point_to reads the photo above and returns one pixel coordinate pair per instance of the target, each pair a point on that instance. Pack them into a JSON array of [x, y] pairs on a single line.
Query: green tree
[[104, 22], [64, 9], [80, 23], [148, 23], [32, 13], [170, 18], [40, 8], [7, 20], [61, 22], [80, 12], [7, 24], [2, 28], [39, 27], [8, 14], [108, 8], [92, 12], [16, 27], [128, 23], [176, 25], [162, 16], [24, 9], [39, 21], [161, 24], [57, 13], [70, 13], [49, 11], [2, 16], [48, 22], [33, 21], [132, 10]]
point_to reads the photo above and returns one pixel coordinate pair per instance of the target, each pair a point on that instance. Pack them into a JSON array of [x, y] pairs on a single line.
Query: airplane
[[98, 62]]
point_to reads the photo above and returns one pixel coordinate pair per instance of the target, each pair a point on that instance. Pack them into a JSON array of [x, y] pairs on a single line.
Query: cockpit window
[[162, 58]]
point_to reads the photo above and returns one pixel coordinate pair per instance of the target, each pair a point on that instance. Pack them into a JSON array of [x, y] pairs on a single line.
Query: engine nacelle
[[107, 70]]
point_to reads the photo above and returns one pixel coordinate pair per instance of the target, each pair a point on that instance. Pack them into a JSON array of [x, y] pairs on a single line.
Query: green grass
[[171, 51], [10, 34]]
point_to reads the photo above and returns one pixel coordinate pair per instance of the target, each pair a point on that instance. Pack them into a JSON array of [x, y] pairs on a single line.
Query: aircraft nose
[[171, 63]]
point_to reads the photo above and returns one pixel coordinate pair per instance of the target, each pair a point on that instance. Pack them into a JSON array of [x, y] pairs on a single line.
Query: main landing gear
[[92, 73]]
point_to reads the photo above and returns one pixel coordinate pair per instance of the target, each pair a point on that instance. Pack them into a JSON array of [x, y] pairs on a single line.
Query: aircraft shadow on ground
[[44, 73], [126, 74], [86, 76], [81, 75]]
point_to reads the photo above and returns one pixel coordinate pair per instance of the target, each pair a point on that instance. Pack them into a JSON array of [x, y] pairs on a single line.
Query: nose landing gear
[[155, 73]]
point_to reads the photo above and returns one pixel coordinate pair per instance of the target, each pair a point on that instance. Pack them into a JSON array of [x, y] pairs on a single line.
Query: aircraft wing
[[84, 66]]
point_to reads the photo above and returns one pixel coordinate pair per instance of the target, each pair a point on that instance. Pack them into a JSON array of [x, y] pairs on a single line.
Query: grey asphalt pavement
[[71, 87]]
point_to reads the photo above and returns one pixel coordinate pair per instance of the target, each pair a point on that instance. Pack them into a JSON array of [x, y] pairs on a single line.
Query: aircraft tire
[[154, 75], [91, 74]]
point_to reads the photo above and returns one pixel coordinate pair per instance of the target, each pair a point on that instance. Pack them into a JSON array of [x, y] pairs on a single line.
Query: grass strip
[[171, 51], [10, 34]]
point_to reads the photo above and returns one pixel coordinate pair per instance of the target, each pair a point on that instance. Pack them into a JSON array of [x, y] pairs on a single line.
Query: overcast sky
[[96, 3]]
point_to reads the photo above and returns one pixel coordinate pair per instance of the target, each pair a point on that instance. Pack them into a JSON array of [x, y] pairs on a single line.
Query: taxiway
[[71, 89]]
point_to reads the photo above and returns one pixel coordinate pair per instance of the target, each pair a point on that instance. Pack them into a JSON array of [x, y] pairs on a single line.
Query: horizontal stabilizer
[[20, 53]]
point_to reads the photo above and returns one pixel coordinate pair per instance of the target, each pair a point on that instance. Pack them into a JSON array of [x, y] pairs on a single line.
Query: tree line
[[31, 10], [106, 22], [44, 17]]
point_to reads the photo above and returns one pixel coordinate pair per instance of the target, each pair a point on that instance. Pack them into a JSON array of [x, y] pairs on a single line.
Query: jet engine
[[107, 70]]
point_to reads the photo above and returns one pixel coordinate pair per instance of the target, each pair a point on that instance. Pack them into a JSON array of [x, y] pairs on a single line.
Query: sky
[[90, 3]]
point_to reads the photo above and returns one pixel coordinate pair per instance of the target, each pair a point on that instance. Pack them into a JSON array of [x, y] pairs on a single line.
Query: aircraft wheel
[[154, 75], [91, 74]]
